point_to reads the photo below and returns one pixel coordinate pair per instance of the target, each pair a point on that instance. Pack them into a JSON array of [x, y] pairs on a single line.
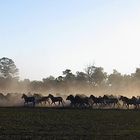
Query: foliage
[[92, 80], [8, 68], [96, 75]]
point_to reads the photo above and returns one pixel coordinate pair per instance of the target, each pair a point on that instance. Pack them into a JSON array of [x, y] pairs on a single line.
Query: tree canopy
[[8, 68], [92, 79]]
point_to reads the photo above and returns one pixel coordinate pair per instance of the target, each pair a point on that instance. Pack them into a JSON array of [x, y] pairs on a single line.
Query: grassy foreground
[[44, 123]]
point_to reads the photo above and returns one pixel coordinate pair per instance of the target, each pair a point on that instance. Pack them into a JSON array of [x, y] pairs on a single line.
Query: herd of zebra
[[79, 101]]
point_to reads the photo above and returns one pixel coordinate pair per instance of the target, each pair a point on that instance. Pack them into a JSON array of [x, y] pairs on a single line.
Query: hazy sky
[[44, 37]]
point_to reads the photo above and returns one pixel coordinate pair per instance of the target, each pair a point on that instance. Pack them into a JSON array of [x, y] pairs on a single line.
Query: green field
[[46, 123]]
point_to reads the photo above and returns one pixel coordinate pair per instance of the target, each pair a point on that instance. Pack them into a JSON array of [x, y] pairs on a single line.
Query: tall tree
[[69, 76], [136, 75], [99, 76], [115, 78], [96, 75], [8, 68], [81, 76]]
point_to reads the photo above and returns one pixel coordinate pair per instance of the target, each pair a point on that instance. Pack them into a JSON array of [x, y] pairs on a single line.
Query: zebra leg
[[127, 106], [54, 103], [33, 104], [114, 105], [24, 103], [48, 102], [62, 103]]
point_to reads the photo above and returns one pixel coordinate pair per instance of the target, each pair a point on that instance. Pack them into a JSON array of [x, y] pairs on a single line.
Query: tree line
[[92, 80]]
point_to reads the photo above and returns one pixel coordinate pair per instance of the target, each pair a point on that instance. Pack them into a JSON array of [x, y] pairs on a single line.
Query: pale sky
[[45, 37]]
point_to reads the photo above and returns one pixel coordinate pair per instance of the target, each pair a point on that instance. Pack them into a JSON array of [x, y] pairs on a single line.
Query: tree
[[81, 76], [69, 76], [99, 75], [36, 85], [89, 71], [136, 78], [136, 75], [59, 78], [8, 68], [96, 75], [49, 81], [115, 78]]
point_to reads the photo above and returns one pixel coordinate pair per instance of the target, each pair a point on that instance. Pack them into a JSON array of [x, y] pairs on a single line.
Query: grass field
[[46, 123]]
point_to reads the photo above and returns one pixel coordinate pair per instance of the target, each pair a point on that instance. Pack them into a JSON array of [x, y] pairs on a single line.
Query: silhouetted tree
[[49, 83], [96, 75], [81, 76], [60, 78], [68, 75], [48, 79], [135, 79], [136, 75], [36, 85], [8, 68], [90, 71], [99, 76], [115, 78]]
